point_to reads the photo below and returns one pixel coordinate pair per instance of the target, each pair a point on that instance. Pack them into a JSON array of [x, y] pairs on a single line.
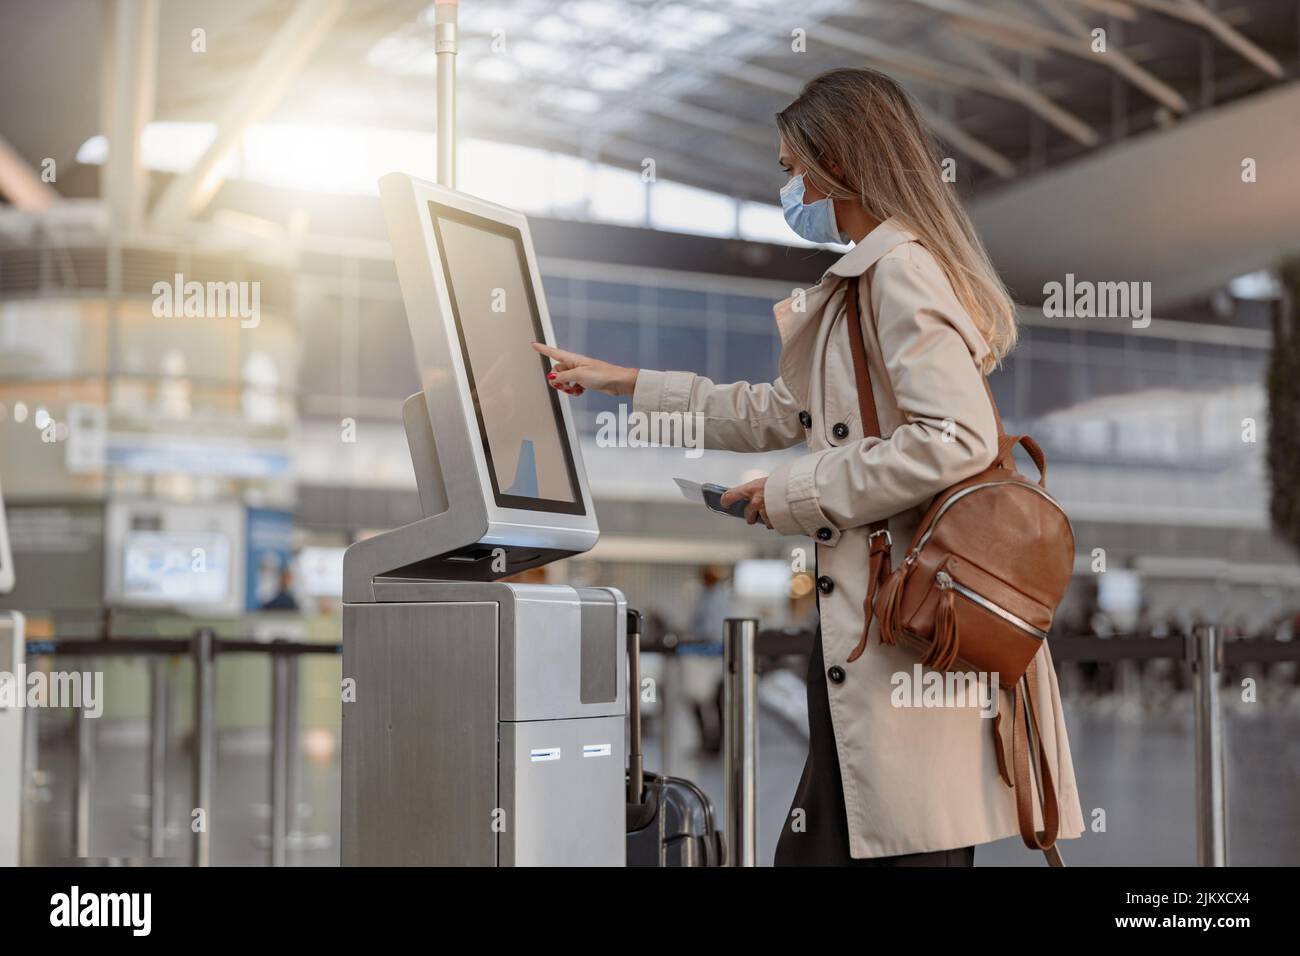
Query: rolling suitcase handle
[[635, 761], [640, 810]]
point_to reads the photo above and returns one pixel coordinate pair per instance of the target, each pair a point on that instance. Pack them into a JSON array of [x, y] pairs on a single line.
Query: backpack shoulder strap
[[878, 542], [1024, 723], [861, 372]]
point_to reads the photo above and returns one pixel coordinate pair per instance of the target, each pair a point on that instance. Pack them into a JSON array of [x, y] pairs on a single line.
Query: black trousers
[[823, 838]]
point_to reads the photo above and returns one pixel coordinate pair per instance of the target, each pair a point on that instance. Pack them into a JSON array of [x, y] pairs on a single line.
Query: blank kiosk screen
[[496, 313]]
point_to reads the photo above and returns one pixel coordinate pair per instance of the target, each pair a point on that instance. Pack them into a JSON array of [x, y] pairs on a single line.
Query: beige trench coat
[[915, 779]]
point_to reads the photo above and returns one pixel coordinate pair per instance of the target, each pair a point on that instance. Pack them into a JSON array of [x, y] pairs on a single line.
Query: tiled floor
[[1138, 768]]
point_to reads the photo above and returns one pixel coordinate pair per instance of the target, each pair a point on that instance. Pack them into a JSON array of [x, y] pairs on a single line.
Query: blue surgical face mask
[[814, 221]]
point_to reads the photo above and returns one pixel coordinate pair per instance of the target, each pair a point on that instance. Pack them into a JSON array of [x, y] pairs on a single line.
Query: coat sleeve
[[734, 417], [931, 349]]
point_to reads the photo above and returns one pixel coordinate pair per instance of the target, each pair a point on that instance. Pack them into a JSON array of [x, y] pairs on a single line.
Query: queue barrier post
[[204, 763], [159, 732], [1205, 654], [740, 739]]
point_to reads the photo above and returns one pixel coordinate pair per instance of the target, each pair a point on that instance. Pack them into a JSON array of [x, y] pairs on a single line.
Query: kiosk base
[[483, 725]]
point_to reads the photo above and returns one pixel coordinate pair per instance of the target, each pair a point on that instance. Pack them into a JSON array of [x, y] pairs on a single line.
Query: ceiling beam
[[696, 69], [1031, 98], [715, 121], [1075, 44], [1195, 12], [732, 65], [945, 129], [887, 57], [724, 124], [282, 58], [872, 50], [131, 51], [668, 160], [964, 142], [611, 130], [1119, 9], [20, 183], [1116, 59]]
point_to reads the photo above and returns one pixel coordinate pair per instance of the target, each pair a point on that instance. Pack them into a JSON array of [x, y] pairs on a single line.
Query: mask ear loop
[[830, 205], [834, 223]]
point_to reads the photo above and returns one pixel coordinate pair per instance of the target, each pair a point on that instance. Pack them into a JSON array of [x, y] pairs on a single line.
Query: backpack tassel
[[889, 607], [943, 652], [866, 633], [879, 583], [999, 749]]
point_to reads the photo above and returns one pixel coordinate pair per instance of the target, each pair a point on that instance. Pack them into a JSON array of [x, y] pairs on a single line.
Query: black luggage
[[669, 820]]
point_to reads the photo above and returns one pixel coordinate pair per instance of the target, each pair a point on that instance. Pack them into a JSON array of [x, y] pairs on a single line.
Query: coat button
[[824, 534], [840, 431], [805, 420], [836, 674], [825, 584]]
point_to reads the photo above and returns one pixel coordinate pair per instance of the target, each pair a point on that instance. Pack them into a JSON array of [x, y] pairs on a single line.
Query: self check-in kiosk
[[482, 720]]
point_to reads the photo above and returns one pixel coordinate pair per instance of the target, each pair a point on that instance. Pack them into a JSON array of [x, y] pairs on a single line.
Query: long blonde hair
[[865, 124]]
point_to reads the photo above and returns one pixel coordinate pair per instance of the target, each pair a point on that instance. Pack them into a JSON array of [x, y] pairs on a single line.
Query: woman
[[883, 785]]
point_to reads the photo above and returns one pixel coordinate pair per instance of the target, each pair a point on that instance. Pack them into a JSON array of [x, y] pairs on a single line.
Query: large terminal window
[[497, 320]]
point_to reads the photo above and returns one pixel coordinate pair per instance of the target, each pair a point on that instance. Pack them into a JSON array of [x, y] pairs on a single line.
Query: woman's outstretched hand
[[751, 491], [574, 373]]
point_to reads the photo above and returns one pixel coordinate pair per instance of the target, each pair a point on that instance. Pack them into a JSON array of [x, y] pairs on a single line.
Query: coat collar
[[870, 250], [798, 317]]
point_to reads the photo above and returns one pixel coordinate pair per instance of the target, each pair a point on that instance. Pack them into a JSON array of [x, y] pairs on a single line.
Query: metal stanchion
[[1211, 789], [204, 756], [279, 756], [202, 647], [740, 739], [16, 726], [33, 778], [83, 727], [293, 759], [159, 704], [668, 675]]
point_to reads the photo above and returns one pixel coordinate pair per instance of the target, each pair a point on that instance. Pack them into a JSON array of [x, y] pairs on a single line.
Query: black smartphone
[[713, 499]]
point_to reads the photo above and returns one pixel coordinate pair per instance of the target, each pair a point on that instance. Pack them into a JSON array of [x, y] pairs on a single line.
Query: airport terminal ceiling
[[1015, 90], [1013, 86]]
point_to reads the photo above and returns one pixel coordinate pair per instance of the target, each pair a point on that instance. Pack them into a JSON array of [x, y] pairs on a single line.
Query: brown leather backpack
[[986, 570]]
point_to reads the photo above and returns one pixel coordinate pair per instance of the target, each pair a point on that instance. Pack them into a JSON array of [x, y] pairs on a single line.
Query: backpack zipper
[[916, 551], [945, 581]]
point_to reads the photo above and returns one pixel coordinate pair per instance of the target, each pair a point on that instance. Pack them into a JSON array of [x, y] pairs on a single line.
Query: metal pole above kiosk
[[445, 16]]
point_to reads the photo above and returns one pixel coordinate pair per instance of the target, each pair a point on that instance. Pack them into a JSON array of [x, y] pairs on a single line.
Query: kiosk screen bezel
[[437, 212]]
